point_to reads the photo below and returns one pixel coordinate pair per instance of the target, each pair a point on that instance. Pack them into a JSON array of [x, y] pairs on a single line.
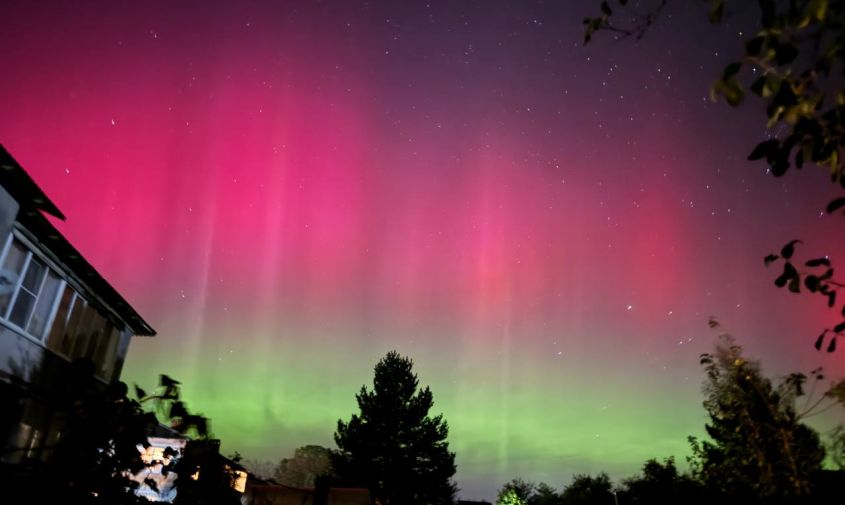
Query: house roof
[[22, 188], [33, 202]]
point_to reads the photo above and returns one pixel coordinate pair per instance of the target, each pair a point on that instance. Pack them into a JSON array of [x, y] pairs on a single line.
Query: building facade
[[55, 308]]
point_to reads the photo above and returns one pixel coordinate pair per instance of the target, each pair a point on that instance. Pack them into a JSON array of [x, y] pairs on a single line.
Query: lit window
[[239, 481]]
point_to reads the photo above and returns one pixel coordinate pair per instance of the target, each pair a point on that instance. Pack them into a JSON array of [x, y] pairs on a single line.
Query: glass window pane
[[34, 275], [95, 333], [38, 321], [82, 332], [60, 322], [75, 318], [10, 273], [104, 345], [23, 307]]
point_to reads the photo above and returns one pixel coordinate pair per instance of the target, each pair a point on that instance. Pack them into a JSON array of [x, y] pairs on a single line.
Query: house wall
[[35, 363], [8, 212]]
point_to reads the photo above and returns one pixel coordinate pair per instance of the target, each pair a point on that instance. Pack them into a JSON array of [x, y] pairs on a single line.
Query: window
[[35, 299], [41, 315], [13, 265], [59, 338], [28, 289]]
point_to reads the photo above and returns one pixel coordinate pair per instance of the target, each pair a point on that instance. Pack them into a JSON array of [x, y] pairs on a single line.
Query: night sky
[[288, 190]]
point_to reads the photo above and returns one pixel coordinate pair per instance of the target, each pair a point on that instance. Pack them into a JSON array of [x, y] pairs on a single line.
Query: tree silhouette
[[661, 483], [393, 447], [515, 492], [589, 490], [307, 464], [759, 448], [544, 494]]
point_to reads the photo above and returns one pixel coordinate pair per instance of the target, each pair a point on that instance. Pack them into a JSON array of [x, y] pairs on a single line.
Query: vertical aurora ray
[[286, 191]]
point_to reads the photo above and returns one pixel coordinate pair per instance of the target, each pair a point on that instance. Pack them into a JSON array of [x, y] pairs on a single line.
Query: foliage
[[544, 494], [794, 63], [515, 492], [817, 277], [510, 497], [836, 447], [393, 447], [588, 490], [203, 475], [100, 440], [661, 483], [307, 463], [759, 449], [96, 459], [166, 402]]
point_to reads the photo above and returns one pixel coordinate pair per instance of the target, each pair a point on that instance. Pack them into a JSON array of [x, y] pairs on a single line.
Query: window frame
[[65, 283], [31, 251]]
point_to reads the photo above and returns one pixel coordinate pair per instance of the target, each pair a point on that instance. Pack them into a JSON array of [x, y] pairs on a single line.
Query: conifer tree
[[393, 446]]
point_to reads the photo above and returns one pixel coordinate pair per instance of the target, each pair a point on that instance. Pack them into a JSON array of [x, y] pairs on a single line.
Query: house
[[169, 454], [54, 308]]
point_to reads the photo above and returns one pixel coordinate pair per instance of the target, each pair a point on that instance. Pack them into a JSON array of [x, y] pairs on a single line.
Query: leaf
[[795, 284], [779, 167], [178, 410], [768, 260], [606, 9], [835, 205], [759, 85], [789, 249], [817, 9], [831, 299], [753, 46], [839, 327], [166, 381], [788, 274], [731, 70], [140, 393], [786, 53], [733, 92], [763, 149], [818, 262], [717, 11], [820, 340], [832, 345], [812, 283]]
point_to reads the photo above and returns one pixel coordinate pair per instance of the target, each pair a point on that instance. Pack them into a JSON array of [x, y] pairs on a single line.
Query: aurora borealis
[[287, 190]]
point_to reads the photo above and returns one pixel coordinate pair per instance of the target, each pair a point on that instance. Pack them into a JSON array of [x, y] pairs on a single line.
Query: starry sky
[[287, 190]]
